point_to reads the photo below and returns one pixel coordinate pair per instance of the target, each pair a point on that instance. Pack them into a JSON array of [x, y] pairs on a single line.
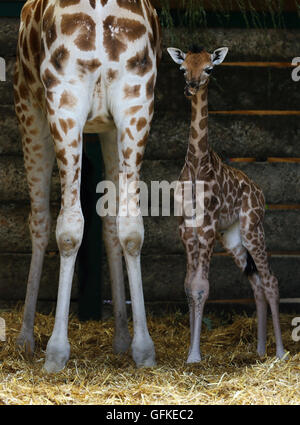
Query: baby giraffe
[[233, 212]]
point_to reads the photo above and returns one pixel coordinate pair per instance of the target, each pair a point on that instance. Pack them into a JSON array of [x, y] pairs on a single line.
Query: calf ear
[[219, 55], [176, 54]]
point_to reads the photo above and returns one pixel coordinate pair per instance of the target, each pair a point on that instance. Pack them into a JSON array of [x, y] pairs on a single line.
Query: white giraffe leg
[[131, 144], [70, 222], [122, 338], [39, 158]]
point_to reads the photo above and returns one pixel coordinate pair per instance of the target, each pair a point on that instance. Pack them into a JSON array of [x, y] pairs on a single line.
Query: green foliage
[[192, 13]]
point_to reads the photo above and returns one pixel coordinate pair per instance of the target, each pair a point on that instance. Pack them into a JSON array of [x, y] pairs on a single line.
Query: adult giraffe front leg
[[133, 124], [70, 222]]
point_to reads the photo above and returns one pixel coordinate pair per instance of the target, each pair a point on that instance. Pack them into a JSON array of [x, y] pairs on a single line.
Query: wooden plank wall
[[254, 114]]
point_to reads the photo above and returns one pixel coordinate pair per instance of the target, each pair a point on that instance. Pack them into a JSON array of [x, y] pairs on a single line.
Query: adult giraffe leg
[[66, 128], [133, 127], [232, 242], [39, 158], [122, 338]]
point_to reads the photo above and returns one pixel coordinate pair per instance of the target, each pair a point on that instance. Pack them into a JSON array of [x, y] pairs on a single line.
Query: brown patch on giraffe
[[142, 122], [132, 6], [49, 79], [74, 144], [133, 109], [71, 123], [34, 42], [66, 3], [202, 144], [39, 94], [64, 125], [76, 175], [26, 12], [37, 12], [85, 26], [75, 196], [127, 153], [67, 100], [116, 33], [36, 148], [55, 133], [23, 91], [203, 123], [49, 27], [29, 121], [132, 91], [129, 134], [103, 2], [141, 63], [193, 132], [112, 74], [49, 109], [150, 87], [139, 159], [143, 141], [93, 3], [132, 121], [151, 108], [59, 58], [25, 49], [76, 159], [88, 65], [204, 111], [28, 74], [61, 156], [192, 149]]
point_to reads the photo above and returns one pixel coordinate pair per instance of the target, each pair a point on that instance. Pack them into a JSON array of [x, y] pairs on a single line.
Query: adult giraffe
[[86, 66]]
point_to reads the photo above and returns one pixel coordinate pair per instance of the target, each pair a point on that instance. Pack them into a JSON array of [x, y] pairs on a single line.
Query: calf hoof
[[282, 354], [26, 343], [143, 353], [194, 358], [56, 357], [261, 351]]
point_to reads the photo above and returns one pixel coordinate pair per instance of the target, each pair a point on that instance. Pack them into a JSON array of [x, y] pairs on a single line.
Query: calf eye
[[208, 70]]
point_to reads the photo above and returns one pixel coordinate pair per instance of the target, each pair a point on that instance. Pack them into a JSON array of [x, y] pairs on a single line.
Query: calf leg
[[232, 242], [254, 242]]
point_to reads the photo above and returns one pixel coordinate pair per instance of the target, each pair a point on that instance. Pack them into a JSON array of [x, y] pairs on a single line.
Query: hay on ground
[[230, 373]]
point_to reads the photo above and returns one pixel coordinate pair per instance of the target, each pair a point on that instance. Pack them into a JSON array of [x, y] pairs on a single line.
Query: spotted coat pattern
[[233, 213], [85, 66]]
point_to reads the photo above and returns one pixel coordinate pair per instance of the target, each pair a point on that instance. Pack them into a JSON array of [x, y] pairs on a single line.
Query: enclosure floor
[[230, 373]]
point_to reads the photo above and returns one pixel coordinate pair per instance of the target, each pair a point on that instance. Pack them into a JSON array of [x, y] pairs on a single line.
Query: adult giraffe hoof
[[143, 353], [194, 358], [57, 356], [282, 354]]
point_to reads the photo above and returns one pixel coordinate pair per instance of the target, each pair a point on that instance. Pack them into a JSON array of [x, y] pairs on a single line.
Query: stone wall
[[246, 84]]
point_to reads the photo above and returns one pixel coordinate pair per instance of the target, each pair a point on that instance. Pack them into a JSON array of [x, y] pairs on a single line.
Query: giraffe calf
[[233, 211]]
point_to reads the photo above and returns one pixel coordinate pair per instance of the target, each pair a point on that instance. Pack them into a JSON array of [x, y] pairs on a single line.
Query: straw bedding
[[230, 373]]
